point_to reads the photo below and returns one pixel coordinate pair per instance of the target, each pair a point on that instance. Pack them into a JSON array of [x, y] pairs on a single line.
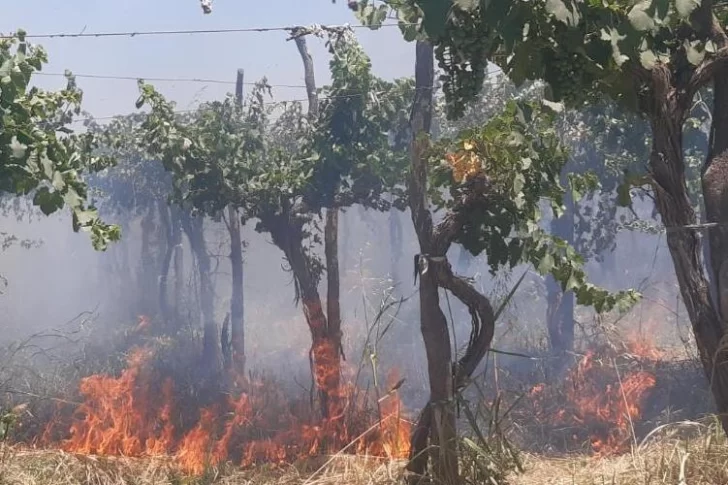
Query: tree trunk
[[715, 196], [287, 233], [677, 214], [668, 109], [560, 310], [326, 350], [147, 274], [179, 265], [395, 247], [559, 317], [166, 219], [211, 352], [237, 300], [443, 431], [333, 303], [309, 76], [439, 414]]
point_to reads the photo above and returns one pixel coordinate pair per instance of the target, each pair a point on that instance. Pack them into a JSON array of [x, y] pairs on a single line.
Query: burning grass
[[596, 404], [23, 467], [154, 418], [606, 401], [150, 409], [686, 453], [146, 411], [694, 453]]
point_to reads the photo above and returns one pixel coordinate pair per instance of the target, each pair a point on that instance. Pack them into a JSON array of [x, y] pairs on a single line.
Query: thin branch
[[309, 77], [705, 73], [483, 320]]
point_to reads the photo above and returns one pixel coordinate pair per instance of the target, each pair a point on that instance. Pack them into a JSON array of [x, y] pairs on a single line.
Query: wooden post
[[239, 86]]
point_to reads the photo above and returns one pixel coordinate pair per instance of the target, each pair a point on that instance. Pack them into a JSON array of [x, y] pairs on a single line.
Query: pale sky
[[209, 56]]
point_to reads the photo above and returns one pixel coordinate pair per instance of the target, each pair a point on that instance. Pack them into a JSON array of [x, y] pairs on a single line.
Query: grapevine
[[462, 54], [567, 75]]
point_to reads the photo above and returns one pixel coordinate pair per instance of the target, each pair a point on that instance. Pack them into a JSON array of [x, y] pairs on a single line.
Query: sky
[[208, 56]]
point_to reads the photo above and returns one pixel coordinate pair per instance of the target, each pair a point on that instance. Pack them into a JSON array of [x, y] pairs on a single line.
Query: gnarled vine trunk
[[447, 377], [333, 290], [668, 105], [715, 196], [287, 233], [679, 218], [437, 422]]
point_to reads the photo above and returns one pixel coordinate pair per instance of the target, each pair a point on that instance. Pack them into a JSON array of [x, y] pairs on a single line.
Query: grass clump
[[33, 467], [686, 453]]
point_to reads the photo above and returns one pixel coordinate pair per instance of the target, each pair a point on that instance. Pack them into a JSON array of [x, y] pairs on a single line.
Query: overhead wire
[[191, 80], [62, 35], [162, 79], [274, 104]]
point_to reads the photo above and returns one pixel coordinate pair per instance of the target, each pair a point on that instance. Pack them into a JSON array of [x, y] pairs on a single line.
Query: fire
[[142, 413], [113, 418], [395, 431], [601, 399]]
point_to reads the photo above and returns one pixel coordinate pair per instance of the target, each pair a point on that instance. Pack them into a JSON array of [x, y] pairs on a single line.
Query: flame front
[[139, 413], [599, 400]]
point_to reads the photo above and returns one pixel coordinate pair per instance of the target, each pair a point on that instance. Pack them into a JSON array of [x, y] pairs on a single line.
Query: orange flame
[[140, 413], [608, 411]]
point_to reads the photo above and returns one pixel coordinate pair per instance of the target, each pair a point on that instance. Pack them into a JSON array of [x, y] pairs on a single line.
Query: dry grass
[[22, 467], [687, 453], [682, 454]]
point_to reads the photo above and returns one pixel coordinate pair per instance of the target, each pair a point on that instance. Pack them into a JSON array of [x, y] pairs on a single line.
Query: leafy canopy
[[134, 184], [232, 153], [212, 152], [581, 48], [520, 158], [283, 171], [39, 154]]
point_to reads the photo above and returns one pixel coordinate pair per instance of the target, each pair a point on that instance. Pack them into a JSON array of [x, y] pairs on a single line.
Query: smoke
[[53, 282], [62, 277]]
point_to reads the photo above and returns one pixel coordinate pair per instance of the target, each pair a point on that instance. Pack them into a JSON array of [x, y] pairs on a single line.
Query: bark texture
[[237, 300], [715, 197], [668, 106], [447, 375], [437, 422], [333, 303], [286, 230]]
